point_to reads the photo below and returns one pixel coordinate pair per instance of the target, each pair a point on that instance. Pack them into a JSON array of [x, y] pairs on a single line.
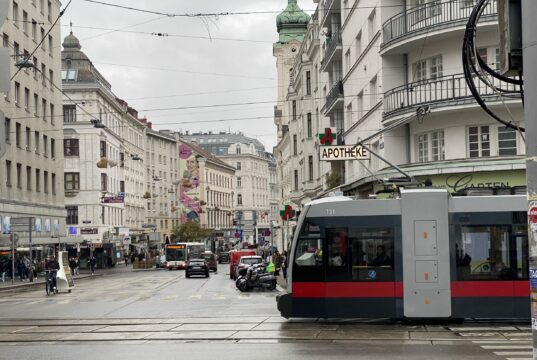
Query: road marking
[[507, 347], [195, 296], [483, 328], [171, 297], [502, 341], [518, 358], [513, 353]]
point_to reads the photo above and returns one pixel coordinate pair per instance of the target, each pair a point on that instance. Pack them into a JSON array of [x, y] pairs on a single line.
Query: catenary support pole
[[529, 45], [12, 258]]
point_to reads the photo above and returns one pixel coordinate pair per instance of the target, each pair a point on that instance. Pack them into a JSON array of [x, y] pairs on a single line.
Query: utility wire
[[44, 37]]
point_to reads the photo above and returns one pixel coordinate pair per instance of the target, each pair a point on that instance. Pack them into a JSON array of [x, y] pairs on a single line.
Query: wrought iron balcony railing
[[425, 17], [446, 89], [335, 93], [330, 46]]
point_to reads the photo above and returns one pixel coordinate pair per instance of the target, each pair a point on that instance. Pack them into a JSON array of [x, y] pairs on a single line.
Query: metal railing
[[335, 93], [330, 46], [430, 15], [444, 89], [326, 9]]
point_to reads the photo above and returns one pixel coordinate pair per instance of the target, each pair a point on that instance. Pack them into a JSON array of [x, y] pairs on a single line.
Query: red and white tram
[[425, 254]]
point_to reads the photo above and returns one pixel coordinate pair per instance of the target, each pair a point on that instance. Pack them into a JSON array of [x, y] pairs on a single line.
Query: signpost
[[343, 152]]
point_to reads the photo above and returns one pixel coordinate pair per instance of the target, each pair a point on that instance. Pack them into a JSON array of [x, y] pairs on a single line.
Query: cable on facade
[[469, 58]]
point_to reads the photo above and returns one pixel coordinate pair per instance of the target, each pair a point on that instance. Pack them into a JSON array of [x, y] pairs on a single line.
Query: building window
[[8, 173], [53, 182], [36, 105], [15, 14], [72, 181], [27, 99], [296, 180], [437, 145], [44, 109], [309, 127], [52, 148], [423, 147], [45, 182], [18, 135], [479, 141], [71, 147], [19, 176], [239, 182], [506, 141], [45, 145], [50, 47], [7, 136], [28, 144], [102, 147], [69, 113], [36, 141], [310, 167], [72, 215], [17, 93], [430, 68], [34, 31], [239, 199], [52, 114], [294, 109], [238, 150], [347, 61], [295, 145], [308, 82], [372, 24], [28, 178], [37, 180], [104, 182], [239, 167]]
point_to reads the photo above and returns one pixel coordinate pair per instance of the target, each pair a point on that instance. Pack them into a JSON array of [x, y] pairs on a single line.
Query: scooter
[[256, 278]]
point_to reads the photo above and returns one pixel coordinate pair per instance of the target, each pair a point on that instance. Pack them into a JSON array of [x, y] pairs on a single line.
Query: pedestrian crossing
[[510, 343]]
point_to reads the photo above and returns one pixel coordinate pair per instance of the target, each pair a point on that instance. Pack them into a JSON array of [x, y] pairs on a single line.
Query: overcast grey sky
[[152, 72]]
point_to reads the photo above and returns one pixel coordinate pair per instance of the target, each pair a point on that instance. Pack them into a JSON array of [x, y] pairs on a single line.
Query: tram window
[[483, 253], [309, 248], [337, 247], [522, 253], [372, 254]]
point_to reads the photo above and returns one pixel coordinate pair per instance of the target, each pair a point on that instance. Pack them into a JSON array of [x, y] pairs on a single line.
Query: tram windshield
[[309, 250]]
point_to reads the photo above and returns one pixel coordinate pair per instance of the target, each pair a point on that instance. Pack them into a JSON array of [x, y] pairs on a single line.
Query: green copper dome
[[292, 16], [292, 23]]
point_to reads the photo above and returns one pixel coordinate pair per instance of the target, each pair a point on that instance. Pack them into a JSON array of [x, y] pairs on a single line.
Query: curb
[[32, 286]]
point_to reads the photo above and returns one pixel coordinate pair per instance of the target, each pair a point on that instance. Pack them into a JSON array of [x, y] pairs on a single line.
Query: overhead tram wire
[[469, 58], [44, 37]]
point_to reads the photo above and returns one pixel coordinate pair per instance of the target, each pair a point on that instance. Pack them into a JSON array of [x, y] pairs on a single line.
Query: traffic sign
[[28, 221]]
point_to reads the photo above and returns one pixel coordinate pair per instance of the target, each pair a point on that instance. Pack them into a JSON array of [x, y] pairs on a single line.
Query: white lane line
[[519, 358], [502, 341], [195, 296], [513, 353], [507, 347], [483, 328]]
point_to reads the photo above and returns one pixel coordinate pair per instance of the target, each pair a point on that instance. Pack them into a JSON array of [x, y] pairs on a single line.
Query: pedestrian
[[72, 265], [277, 263], [3, 271], [19, 264], [92, 264], [77, 260], [285, 263], [126, 260], [133, 257]]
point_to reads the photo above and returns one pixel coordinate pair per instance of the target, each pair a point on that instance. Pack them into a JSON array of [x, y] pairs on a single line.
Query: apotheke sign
[[343, 152]]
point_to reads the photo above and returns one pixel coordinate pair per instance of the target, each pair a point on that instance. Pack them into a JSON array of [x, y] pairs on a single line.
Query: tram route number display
[[344, 152]]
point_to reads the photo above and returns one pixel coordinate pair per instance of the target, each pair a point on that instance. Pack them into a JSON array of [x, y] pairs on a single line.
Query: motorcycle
[[256, 277]]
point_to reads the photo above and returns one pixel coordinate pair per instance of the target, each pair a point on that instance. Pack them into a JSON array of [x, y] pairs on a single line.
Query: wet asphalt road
[[160, 314]]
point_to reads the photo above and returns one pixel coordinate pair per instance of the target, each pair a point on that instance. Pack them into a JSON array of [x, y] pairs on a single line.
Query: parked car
[[235, 255], [210, 259], [223, 257], [161, 261], [244, 263], [196, 267]]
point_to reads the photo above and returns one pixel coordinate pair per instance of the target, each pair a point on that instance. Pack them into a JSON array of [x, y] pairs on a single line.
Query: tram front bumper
[[285, 305]]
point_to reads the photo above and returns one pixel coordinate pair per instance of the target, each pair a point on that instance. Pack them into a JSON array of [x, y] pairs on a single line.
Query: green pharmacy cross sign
[[287, 213], [328, 137]]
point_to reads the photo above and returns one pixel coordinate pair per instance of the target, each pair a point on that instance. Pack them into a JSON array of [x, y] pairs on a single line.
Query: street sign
[[23, 221], [343, 152]]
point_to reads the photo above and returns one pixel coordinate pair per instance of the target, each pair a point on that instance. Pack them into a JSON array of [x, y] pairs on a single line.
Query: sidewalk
[[40, 281]]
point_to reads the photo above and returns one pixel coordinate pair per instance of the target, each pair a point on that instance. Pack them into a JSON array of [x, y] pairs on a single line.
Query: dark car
[[196, 267], [223, 257], [210, 258]]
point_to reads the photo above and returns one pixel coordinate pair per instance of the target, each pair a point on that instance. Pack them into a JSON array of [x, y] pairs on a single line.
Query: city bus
[[177, 254], [423, 254]]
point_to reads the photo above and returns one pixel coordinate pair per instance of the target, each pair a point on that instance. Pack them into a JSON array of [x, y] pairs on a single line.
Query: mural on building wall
[[189, 194]]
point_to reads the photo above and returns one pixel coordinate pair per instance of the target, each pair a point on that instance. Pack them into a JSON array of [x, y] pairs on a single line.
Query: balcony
[[430, 17], [330, 46], [448, 90], [334, 96], [327, 9]]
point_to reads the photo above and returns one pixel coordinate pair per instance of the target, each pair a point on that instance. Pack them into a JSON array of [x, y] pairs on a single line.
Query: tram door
[[426, 273]]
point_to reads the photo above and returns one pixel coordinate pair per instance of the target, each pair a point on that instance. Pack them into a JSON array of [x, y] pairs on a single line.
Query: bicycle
[[49, 283]]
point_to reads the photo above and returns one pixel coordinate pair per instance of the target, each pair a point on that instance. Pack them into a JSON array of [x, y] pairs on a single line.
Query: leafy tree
[[189, 232], [332, 180]]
